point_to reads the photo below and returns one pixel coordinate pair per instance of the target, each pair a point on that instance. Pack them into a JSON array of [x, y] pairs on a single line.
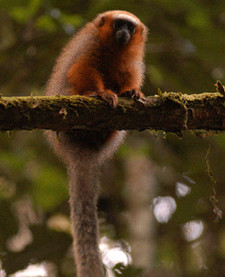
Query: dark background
[[160, 211]]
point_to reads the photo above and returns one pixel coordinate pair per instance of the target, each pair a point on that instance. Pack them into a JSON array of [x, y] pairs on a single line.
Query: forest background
[[163, 195]]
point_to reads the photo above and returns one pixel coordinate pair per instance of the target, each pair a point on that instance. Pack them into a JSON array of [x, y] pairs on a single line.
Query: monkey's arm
[[91, 86]]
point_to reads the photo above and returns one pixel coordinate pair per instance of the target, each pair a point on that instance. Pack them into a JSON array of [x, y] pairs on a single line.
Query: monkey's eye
[[131, 27], [118, 24]]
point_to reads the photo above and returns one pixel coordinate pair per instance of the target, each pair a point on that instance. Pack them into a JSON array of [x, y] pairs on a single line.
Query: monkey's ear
[[101, 21]]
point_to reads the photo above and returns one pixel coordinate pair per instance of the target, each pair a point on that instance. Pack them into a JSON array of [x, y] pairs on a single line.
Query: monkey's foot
[[106, 95], [135, 94], [110, 97]]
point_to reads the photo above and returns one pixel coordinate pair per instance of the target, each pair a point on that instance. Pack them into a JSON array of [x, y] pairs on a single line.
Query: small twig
[[220, 88]]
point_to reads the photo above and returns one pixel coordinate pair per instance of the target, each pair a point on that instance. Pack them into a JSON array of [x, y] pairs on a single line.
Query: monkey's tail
[[83, 201], [83, 166]]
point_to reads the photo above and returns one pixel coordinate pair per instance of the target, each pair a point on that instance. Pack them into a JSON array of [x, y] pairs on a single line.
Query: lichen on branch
[[168, 111]]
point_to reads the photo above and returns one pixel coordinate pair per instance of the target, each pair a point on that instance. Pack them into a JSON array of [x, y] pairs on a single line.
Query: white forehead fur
[[126, 17]]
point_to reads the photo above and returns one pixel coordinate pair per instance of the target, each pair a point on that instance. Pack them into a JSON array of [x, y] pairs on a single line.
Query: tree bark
[[172, 112]]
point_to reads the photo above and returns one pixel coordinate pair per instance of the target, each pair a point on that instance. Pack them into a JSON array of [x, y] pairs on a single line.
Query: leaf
[[46, 23]]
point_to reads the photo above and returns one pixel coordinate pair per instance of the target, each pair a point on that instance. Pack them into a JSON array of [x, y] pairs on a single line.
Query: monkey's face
[[123, 30], [120, 28]]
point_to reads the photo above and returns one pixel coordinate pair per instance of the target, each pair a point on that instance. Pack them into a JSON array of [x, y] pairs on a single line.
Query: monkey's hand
[[108, 96], [135, 94]]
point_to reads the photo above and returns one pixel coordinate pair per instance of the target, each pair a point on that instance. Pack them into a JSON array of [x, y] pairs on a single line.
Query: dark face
[[123, 30]]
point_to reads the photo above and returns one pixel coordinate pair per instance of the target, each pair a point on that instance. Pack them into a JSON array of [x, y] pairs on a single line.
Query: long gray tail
[[83, 201], [83, 166], [82, 169]]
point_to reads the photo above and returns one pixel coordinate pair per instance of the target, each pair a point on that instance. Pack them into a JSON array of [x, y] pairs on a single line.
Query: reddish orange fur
[[109, 67]]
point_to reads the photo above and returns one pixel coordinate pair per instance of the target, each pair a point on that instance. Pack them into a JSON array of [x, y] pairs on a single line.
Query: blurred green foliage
[[185, 52]]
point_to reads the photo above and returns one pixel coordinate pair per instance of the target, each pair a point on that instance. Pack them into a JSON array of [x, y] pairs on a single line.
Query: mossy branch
[[168, 111]]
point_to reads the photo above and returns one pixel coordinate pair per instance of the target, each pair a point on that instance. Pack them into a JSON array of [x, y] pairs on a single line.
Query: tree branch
[[168, 111]]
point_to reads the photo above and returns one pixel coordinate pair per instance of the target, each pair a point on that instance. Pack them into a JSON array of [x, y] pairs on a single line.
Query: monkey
[[104, 59]]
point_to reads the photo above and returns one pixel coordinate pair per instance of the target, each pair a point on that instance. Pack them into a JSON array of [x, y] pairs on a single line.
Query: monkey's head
[[121, 28]]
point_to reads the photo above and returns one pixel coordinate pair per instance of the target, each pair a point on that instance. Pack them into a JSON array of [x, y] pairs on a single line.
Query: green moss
[[78, 106]]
